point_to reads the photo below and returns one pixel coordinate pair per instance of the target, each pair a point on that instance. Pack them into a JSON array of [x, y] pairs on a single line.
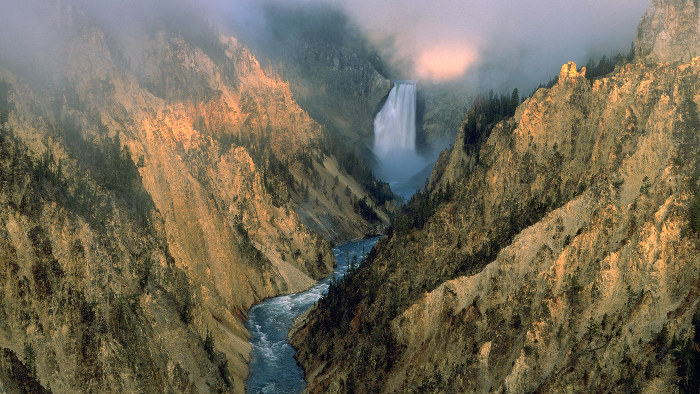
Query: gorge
[[155, 184], [551, 251], [221, 196], [273, 365]]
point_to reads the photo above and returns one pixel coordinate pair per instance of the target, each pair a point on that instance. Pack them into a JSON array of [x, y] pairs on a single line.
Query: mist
[[496, 45]]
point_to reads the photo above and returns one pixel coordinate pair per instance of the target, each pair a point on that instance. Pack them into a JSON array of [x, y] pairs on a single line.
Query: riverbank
[[273, 368]]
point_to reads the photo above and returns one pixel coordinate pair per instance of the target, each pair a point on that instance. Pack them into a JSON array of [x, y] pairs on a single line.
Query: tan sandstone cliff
[[153, 190]]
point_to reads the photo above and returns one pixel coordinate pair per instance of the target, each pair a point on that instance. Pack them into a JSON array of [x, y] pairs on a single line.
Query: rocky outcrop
[[670, 31], [557, 255]]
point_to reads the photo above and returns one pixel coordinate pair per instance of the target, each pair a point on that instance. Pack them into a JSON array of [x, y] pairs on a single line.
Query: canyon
[[160, 176]]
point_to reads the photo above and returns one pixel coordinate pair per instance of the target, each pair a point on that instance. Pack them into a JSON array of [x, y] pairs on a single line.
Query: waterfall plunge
[[395, 139], [395, 124]]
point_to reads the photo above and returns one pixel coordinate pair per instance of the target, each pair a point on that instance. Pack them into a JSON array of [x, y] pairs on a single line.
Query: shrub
[[695, 213], [365, 210], [209, 345], [5, 105], [686, 356], [30, 358]]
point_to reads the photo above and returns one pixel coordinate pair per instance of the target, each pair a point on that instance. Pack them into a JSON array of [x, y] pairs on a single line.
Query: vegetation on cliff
[[83, 252]]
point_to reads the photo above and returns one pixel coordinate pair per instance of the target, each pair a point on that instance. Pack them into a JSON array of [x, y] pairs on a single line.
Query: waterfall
[[395, 140], [395, 124]]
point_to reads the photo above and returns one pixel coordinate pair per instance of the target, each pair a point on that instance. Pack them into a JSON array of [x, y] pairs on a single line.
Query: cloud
[[496, 42], [443, 62]]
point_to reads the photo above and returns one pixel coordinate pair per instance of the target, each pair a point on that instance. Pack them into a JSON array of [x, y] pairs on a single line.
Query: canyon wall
[[156, 184]]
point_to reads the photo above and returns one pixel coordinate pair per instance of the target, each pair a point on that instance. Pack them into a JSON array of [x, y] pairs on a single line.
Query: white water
[[395, 124], [395, 139], [273, 368]]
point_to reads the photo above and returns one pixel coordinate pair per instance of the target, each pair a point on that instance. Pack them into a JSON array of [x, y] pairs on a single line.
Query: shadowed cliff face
[[555, 255], [153, 191], [337, 75]]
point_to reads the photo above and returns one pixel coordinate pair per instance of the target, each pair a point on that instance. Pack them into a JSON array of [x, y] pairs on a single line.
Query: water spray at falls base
[[395, 140]]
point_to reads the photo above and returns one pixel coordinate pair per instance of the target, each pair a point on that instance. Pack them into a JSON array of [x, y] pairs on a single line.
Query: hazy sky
[[445, 37], [498, 43]]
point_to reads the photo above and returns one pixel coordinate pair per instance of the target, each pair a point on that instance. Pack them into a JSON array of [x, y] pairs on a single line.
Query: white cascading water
[[395, 140], [395, 124]]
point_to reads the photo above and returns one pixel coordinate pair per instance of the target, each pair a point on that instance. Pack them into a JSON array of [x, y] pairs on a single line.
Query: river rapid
[[273, 368]]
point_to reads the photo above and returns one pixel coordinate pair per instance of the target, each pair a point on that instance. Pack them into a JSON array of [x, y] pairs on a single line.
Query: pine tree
[[695, 213], [514, 101]]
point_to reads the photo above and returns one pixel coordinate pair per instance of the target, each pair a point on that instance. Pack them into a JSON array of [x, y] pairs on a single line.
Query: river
[[273, 368]]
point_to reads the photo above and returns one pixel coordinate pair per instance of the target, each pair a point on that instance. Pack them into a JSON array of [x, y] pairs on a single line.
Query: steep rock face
[[91, 297], [440, 113], [560, 259], [161, 187], [670, 31], [338, 77], [244, 106]]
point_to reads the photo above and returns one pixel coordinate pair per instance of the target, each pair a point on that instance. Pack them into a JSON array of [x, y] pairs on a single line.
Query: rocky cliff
[[670, 31], [555, 253], [337, 76], [156, 184]]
